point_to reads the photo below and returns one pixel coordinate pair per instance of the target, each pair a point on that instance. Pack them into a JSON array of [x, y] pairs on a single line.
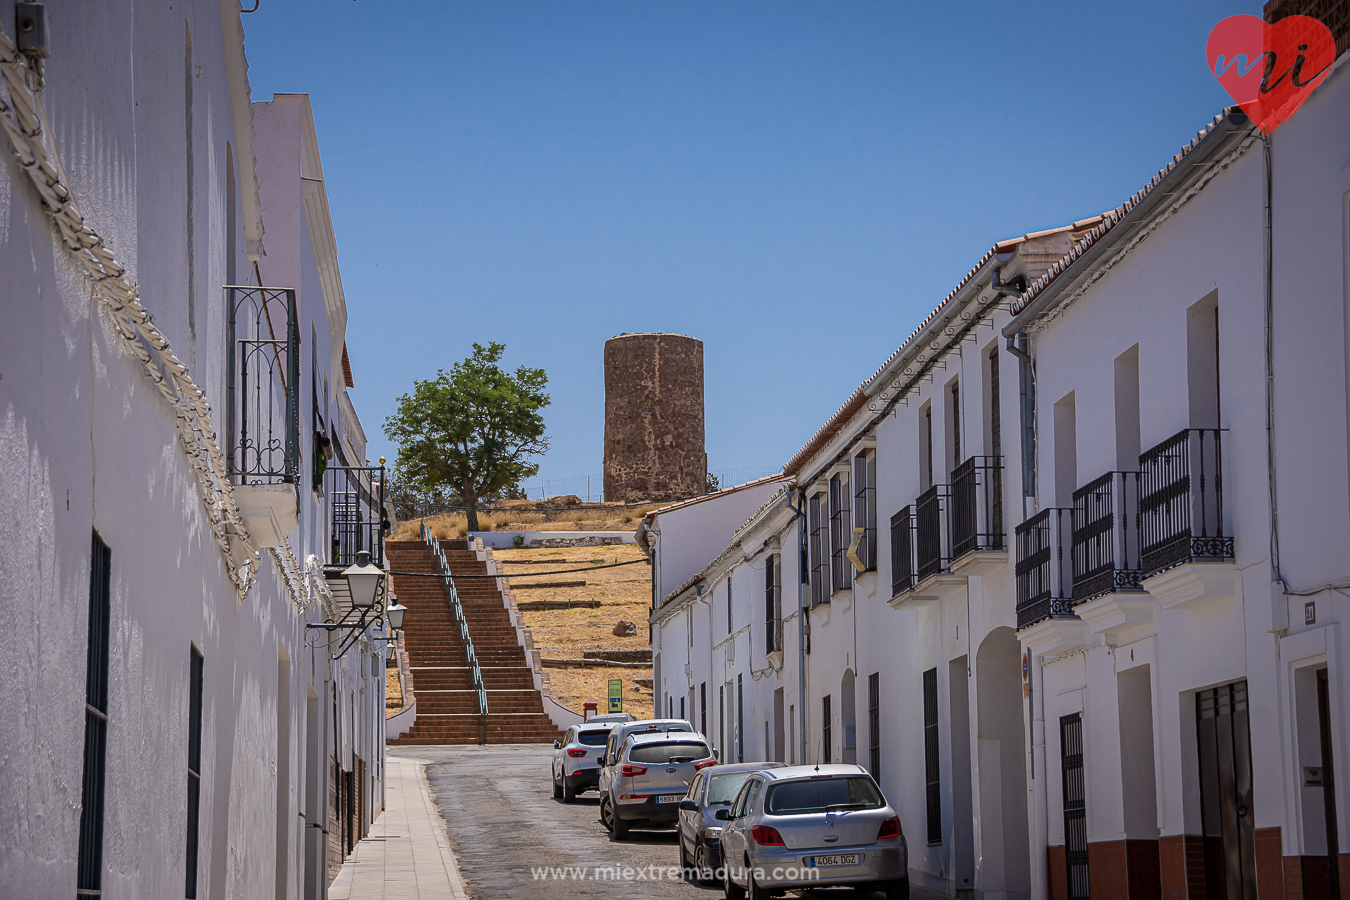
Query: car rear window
[[683, 751], [815, 795], [593, 738], [723, 788]]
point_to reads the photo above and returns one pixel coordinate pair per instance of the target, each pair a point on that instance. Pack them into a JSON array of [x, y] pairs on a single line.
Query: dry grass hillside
[[623, 593], [562, 514]]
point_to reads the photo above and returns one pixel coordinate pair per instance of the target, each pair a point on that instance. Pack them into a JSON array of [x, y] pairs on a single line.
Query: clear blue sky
[[796, 184]]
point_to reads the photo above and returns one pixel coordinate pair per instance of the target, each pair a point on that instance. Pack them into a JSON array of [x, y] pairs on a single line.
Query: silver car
[[812, 826], [608, 761], [576, 760], [700, 833], [651, 777]]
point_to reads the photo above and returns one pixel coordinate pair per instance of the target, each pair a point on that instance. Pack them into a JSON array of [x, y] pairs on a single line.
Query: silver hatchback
[[651, 776], [812, 826]]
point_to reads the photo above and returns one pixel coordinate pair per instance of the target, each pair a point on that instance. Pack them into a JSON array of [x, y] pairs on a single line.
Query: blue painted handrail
[[458, 611]]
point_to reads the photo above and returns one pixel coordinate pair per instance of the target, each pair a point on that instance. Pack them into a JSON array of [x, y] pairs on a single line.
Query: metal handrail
[[458, 610]]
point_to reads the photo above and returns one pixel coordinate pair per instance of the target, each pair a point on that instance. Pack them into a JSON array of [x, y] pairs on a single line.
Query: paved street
[[502, 822]]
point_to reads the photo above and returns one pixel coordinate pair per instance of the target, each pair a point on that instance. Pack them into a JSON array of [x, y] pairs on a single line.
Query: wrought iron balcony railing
[[262, 383], [930, 525], [1044, 568], [1106, 536], [1181, 514], [356, 505], [976, 500], [904, 563]]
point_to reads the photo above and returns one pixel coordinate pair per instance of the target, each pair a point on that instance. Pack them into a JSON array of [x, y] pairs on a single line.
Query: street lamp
[[363, 581], [395, 612]]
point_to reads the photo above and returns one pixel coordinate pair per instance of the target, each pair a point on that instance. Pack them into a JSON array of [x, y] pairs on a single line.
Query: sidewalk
[[406, 855]]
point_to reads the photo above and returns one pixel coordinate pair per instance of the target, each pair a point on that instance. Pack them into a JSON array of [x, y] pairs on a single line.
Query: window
[[682, 707], [689, 624], [816, 795], [825, 727], [722, 720], [818, 559], [930, 756], [773, 614], [89, 875], [954, 394], [703, 707], [675, 752], [730, 627], [926, 446], [874, 724], [865, 507], [841, 534], [194, 781], [740, 718], [596, 738]]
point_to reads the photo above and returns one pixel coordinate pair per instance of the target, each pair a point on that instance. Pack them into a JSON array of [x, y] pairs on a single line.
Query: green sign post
[[615, 695]]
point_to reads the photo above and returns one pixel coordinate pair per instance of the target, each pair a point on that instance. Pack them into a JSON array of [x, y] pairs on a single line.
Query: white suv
[[576, 760]]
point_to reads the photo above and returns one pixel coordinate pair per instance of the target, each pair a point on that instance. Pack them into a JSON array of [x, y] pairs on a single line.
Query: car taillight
[[766, 836], [629, 770], [704, 764], [889, 828], [576, 753]]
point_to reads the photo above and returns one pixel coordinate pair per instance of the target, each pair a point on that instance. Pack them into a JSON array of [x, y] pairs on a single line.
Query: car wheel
[[557, 788], [754, 891], [606, 816], [705, 872], [897, 890], [730, 889], [569, 793], [620, 830], [684, 857]]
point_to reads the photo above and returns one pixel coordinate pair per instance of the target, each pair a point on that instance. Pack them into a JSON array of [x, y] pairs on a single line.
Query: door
[[1328, 782], [1224, 738], [1075, 805]]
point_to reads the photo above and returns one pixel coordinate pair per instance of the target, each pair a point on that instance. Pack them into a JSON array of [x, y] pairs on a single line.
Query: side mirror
[[722, 814], [557, 745], [689, 805]]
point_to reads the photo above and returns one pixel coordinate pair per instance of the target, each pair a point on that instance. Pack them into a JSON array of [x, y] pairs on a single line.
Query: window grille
[[930, 756], [89, 868], [874, 724], [825, 728], [865, 507], [194, 782], [841, 534]]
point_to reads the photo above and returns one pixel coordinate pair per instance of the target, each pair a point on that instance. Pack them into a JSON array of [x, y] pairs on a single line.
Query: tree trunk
[[472, 512]]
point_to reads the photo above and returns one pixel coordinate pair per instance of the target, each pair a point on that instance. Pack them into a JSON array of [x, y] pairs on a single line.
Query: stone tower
[[654, 418]]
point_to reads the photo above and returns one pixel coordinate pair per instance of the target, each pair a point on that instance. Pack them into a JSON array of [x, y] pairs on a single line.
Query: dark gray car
[[700, 834]]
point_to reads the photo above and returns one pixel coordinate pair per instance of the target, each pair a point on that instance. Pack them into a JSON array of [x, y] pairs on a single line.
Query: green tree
[[470, 431]]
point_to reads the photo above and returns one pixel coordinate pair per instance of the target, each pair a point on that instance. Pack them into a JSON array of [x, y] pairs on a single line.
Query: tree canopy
[[470, 431]]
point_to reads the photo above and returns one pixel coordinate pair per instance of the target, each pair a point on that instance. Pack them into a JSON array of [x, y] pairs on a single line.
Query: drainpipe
[[1018, 345], [803, 626]]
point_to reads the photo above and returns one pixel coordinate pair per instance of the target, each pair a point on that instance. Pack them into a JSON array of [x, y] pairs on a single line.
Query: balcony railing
[[904, 564], [1106, 536], [356, 503], [262, 383], [977, 506], [1181, 515], [1044, 568], [931, 528]]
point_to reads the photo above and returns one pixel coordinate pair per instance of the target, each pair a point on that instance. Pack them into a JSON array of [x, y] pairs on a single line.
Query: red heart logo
[[1270, 69]]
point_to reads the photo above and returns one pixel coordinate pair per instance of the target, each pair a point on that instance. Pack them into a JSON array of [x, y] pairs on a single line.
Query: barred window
[[818, 558], [773, 611], [841, 534], [865, 507]]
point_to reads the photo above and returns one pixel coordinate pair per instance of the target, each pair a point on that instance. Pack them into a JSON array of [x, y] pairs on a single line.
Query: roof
[[858, 399], [701, 498], [814, 771], [1110, 222]]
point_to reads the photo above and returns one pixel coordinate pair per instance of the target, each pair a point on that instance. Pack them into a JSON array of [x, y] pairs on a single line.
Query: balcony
[[1106, 536], [904, 565], [932, 537], [356, 507], [1182, 523], [262, 410], [975, 500], [1045, 606]]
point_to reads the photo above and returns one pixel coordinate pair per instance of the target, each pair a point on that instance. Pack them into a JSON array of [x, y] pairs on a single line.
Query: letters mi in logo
[[1270, 69]]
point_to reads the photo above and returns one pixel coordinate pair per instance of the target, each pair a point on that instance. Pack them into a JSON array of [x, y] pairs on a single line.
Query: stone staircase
[[447, 702]]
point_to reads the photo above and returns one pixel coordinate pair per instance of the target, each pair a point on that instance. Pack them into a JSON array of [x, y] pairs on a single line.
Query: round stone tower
[[654, 418]]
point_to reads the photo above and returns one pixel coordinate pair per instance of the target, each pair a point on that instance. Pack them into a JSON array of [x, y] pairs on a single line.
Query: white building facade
[[1030, 573], [170, 725]]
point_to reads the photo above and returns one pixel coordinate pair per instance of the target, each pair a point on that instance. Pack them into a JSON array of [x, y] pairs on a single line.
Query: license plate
[[839, 859], [669, 798]]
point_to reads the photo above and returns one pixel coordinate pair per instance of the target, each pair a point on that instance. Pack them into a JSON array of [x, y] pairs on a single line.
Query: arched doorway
[[1005, 860], [848, 718]]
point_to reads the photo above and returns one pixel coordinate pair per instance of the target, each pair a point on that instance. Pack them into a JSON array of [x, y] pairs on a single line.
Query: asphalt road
[[505, 828]]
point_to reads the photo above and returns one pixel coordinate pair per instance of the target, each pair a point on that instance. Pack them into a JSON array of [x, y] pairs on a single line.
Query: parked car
[[576, 760], [700, 834], [809, 827], [651, 776], [609, 717], [621, 733]]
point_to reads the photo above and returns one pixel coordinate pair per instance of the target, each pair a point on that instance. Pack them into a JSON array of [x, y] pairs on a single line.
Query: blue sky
[[796, 184]]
